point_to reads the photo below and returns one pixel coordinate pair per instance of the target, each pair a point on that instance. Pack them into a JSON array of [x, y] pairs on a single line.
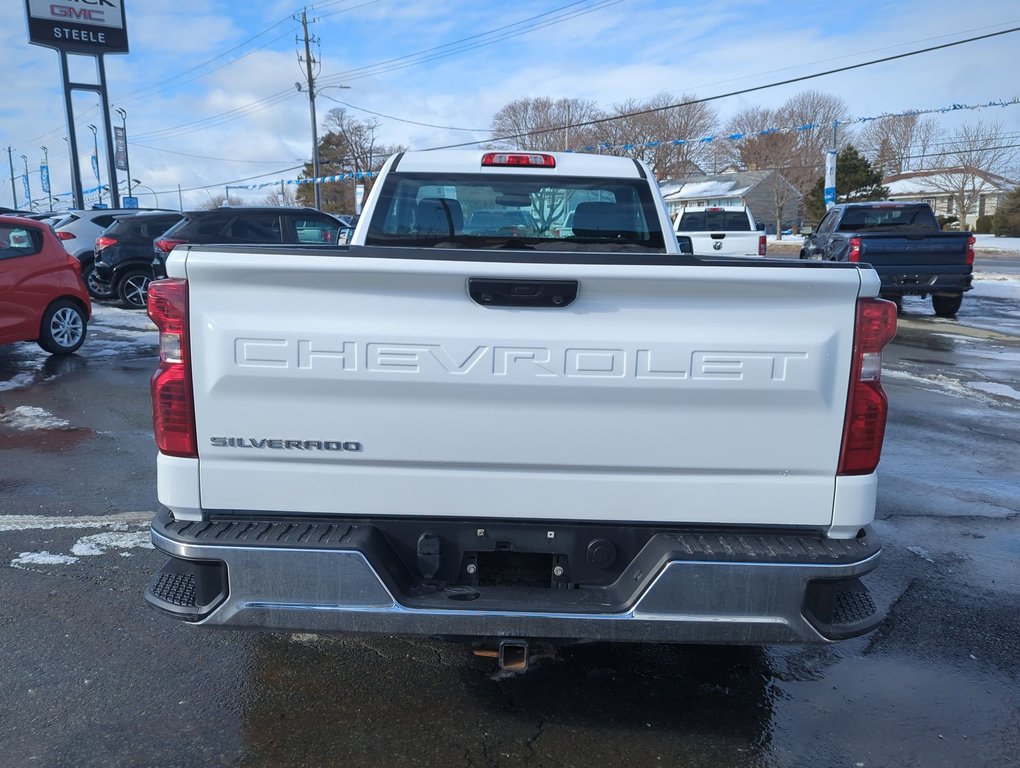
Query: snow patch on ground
[[993, 243], [17, 382], [99, 543], [41, 558], [116, 317], [996, 286], [118, 522], [28, 417], [994, 388]]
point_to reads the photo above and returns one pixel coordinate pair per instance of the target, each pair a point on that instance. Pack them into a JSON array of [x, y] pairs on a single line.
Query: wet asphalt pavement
[[90, 677]]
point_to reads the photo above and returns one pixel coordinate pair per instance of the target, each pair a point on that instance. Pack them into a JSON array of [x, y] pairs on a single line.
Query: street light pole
[[127, 161], [49, 185], [152, 192], [95, 146]]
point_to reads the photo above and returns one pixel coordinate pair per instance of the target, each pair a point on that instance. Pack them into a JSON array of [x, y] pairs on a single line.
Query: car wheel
[[63, 328], [947, 306], [133, 289], [97, 288]]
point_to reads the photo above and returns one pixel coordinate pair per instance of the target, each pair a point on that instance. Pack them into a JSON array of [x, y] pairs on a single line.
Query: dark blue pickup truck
[[904, 244]]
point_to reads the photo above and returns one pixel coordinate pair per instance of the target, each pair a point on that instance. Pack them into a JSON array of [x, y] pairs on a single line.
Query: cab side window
[[18, 241], [315, 231]]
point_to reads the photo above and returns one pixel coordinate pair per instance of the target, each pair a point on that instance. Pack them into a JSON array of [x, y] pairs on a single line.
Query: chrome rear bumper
[[298, 581]]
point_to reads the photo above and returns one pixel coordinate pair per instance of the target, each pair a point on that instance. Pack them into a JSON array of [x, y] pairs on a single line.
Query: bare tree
[[349, 147], [543, 124], [970, 155], [284, 195], [663, 136], [765, 148], [898, 143], [824, 111]]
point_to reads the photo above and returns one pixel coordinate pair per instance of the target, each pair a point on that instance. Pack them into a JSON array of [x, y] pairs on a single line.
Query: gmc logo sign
[[70, 12]]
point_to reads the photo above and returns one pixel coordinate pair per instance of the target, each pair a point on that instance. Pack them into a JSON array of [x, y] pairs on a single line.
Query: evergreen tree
[[856, 181], [1006, 222]]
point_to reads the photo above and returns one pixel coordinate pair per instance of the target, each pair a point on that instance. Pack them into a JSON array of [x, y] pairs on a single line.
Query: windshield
[[714, 221], [502, 211]]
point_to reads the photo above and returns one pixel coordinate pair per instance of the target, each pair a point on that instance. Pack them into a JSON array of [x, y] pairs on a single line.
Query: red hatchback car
[[42, 297]]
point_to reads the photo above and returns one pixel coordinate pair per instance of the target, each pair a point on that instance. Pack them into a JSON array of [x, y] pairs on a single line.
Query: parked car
[[724, 230], [79, 230], [249, 225], [123, 262], [42, 297]]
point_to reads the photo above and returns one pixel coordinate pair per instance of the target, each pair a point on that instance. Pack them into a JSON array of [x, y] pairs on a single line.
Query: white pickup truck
[[511, 436], [724, 230]]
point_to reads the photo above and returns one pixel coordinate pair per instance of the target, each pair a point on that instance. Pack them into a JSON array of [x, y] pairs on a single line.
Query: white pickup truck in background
[[520, 434], [721, 231]]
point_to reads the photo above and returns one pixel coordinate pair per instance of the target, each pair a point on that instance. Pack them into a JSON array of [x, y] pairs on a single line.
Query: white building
[[943, 189]]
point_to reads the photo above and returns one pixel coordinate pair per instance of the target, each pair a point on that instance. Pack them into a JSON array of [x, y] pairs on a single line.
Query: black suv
[[123, 262], [228, 226]]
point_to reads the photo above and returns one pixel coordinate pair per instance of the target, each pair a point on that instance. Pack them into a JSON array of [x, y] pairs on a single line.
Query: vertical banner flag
[[830, 178], [120, 148], [44, 174], [95, 166], [28, 190], [359, 195]]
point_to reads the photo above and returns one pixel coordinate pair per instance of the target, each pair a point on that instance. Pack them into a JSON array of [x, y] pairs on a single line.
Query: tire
[[63, 327], [96, 288], [132, 288], [946, 306]]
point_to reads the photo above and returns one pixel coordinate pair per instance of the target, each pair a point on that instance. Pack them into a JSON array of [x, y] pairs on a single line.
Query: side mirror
[[761, 227]]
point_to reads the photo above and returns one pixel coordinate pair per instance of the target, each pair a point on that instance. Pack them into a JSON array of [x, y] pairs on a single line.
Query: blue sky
[[209, 84]]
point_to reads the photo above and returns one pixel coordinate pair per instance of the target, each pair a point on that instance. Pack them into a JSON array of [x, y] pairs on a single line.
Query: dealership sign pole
[[94, 28]]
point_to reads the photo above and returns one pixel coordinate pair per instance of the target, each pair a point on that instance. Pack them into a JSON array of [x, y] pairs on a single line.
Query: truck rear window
[[917, 218], [714, 221], [544, 212]]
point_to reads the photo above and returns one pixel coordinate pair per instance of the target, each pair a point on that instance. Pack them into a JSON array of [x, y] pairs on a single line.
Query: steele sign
[[78, 26]]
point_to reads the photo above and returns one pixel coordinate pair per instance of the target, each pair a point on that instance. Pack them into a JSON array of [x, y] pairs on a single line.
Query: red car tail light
[[105, 242], [762, 245], [855, 249], [63, 234], [970, 249], [173, 402], [518, 159], [867, 406], [167, 244]]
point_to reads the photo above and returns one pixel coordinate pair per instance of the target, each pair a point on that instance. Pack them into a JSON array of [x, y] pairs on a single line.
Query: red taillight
[[970, 249], [173, 404], [867, 406], [530, 159], [855, 249], [761, 245], [63, 234], [713, 210], [167, 244], [105, 242]]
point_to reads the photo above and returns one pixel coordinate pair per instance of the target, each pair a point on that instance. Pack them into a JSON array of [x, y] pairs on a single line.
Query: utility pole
[[14, 189], [180, 198], [310, 79]]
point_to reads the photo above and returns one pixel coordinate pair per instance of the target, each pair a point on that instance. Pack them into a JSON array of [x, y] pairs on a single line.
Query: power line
[[692, 102], [203, 157], [400, 119]]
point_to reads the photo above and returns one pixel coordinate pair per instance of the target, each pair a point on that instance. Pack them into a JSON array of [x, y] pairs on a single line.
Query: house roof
[[938, 181], [735, 184]]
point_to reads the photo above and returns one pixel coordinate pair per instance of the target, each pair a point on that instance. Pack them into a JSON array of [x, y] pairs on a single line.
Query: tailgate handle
[[502, 292]]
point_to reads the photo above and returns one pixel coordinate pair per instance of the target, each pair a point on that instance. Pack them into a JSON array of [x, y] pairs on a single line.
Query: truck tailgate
[[377, 386], [924, 252]]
